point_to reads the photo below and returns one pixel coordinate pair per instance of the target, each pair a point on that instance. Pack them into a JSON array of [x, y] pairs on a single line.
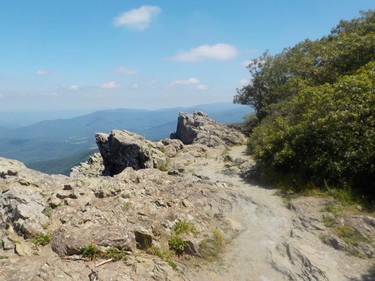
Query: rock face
[[198, 128], [121, 149]]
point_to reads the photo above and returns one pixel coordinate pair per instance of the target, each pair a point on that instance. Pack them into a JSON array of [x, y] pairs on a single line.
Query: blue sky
[[96, 54]]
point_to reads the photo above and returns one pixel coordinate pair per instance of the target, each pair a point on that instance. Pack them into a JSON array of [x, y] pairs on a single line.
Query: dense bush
[[325, 133], [315, 103]]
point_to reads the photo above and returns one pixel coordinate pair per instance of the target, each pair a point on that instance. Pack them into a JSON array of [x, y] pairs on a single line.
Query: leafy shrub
[[91, 252], [177, 244], [325, 134], [115, 254]]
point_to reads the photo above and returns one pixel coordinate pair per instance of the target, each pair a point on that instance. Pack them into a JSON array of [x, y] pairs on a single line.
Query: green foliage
[[91, 252], [42, 239], [310, 63], [164, 254], [115, 254], [126, 206], [186, 227], [250, 122], [164, 167], [177, 244], [47, 211], [325, 134], [315, 106]]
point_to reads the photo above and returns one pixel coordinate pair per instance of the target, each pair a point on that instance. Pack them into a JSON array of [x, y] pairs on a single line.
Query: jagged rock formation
[[121, 149], [198, 128], [54, 227]]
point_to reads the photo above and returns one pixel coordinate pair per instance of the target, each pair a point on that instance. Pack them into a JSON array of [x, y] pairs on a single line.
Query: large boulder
[[121, 149], [198, 128]]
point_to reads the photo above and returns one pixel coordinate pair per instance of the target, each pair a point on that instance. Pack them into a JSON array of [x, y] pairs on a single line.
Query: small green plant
[[177, 244], [115, 254], [184, 227], [126, 207], [164, 167], [42, 239], [91, 252], [47, 211], [3, 257], [164, 254]]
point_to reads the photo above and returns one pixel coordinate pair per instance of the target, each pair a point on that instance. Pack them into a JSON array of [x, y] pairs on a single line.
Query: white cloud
[[42, 72], [124, 70], [134, 86], [138, 19], [190, 81], [111, 85], [244, 82], [202, 87], [215, 52], [74, 87]]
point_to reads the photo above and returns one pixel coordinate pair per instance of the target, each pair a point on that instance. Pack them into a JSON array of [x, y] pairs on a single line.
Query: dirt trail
[[272, 244]]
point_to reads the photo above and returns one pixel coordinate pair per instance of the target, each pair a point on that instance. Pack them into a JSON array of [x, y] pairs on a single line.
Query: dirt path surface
[[274, 243]]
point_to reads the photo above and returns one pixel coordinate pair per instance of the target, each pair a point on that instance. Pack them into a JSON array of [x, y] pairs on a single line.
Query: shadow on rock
[[254, 176], [368, 276]]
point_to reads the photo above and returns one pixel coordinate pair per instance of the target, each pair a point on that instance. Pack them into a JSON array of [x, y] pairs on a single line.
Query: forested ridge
[[314, 109]]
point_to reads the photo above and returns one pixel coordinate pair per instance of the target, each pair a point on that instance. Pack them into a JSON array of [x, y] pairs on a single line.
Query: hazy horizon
[[25, 118]]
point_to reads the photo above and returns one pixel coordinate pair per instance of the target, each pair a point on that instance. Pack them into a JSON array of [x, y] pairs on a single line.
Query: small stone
[[7, 244], [54, 202], [67, 187], [23, 250]]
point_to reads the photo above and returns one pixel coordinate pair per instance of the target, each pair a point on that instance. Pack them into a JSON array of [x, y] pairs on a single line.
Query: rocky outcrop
[[121, 149], [198, 128], [137, 209]]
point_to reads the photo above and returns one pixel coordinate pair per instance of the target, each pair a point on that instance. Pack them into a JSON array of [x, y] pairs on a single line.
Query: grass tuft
[[42, 239], [211, 248]]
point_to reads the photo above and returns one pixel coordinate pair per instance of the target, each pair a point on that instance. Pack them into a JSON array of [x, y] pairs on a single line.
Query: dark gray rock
[[122, 149]]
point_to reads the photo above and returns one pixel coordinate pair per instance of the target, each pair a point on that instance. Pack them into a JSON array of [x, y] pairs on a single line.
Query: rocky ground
[[185, 212]]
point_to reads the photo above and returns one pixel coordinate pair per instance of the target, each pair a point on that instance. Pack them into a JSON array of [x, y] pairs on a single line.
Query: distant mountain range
[[54, 146]]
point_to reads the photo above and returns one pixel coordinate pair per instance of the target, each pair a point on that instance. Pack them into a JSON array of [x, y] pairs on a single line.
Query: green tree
[[274, 79]]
